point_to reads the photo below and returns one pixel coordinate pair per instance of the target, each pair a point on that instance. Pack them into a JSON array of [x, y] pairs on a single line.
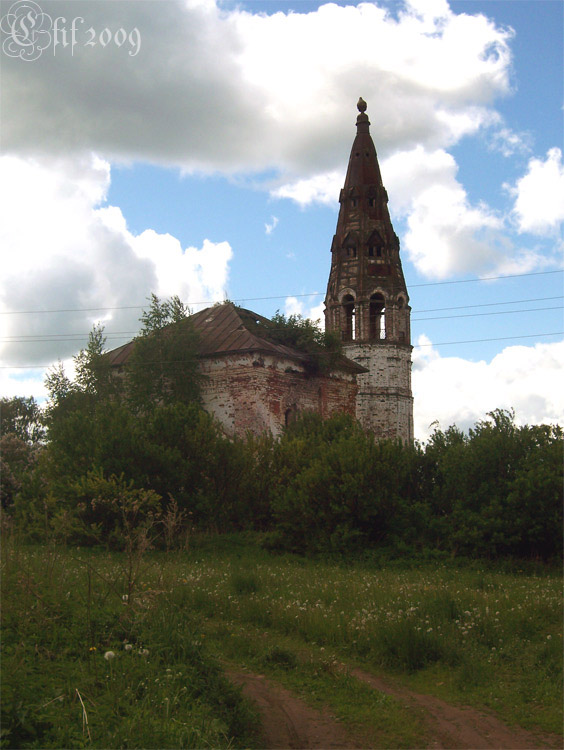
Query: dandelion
[[109, 655], [92, 648], [144, 652], [548, 637], [128, 647], [125, 598]]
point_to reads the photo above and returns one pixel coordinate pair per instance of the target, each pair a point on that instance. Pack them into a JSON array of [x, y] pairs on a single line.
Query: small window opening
[[378, 252], [372, 202], [377, 317], [354, 202], [290, 415], [349, 322]]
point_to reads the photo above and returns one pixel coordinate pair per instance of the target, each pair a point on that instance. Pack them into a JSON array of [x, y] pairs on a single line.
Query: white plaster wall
[[384, 403]]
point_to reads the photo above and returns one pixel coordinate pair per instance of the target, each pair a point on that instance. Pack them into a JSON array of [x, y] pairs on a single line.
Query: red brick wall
[[254, 393]]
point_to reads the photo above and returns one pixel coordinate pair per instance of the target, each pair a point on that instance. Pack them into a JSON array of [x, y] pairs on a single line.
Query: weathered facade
[[367, 299], [252, 383]]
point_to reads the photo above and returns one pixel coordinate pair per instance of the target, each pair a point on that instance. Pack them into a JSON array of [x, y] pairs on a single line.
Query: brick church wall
[[251, 393]]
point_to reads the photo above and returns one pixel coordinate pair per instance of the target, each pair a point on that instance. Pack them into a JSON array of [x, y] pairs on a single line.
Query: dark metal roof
[[227, 329]]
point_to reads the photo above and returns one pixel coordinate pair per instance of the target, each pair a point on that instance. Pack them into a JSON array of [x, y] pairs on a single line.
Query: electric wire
[[415, 346], [116, 335], [40, 338], [280, 296]]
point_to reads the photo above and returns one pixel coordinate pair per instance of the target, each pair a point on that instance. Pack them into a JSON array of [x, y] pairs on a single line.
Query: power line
[[490, 304], [486, 278], [491, 312], [113, 335], [480, 341], [280, 296], [415, 346]]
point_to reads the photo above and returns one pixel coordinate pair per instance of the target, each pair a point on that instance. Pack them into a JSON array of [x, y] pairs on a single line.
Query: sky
[[198, 148]]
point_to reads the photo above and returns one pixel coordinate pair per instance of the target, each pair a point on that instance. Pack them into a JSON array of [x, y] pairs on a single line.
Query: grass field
[[470, 634]]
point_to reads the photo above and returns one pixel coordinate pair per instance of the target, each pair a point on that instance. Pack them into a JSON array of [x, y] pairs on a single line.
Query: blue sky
[[201, 153]]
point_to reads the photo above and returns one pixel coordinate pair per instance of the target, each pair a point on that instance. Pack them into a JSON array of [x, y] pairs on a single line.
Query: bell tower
[[367, 300]]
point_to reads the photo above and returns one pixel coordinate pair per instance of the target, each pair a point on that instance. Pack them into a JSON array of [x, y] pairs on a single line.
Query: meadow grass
[[85, 664], [468, 634]]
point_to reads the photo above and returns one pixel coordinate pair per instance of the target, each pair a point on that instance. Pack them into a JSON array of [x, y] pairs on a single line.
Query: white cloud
[[453, 390], [446, 235], [217, 89], [507, 142], [321, 188], [316, 313], [269, 228], [62, 251], [539, 195]]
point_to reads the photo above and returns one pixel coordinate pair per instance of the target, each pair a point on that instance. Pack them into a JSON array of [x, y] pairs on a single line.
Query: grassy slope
[[471, 635]]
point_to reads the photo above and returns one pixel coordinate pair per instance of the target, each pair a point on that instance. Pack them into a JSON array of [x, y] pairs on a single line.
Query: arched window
[[290, 415], [349, 322], [350, 244], [375, 244], [377, 317]]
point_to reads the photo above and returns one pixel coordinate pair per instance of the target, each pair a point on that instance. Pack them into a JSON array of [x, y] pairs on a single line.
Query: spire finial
[[361, 105]]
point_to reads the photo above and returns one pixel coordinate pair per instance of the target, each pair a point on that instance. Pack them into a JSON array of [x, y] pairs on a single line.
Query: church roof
[[363, 168], [227, 329]]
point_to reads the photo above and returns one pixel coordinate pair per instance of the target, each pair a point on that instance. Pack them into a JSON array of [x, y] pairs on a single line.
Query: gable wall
[[253, 393]]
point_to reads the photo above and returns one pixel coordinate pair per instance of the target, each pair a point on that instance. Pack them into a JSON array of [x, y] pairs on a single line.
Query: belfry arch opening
[[349, 318], [377, 316]]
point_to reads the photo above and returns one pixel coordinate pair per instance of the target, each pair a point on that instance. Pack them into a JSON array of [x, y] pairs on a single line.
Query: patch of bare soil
[[462, 727], [288, 722]]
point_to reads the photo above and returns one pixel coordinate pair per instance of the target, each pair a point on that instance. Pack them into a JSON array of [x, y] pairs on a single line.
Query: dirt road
[[288, 722]]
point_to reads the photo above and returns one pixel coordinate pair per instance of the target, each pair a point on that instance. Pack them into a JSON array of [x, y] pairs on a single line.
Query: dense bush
[[498, 490], [494, 492], [337, 488]]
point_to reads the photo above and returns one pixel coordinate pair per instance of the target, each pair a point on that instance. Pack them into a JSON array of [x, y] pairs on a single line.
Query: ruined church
[[252, 383]]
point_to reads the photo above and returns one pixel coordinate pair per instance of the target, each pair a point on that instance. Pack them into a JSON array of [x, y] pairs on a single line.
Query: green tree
[[304, 334], [498, 490], [21, 441], [93, 370], [163, 367], [21, 417], [336, 488]]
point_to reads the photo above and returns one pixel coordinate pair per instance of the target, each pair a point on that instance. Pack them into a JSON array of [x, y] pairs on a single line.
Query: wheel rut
[[289, 722]]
